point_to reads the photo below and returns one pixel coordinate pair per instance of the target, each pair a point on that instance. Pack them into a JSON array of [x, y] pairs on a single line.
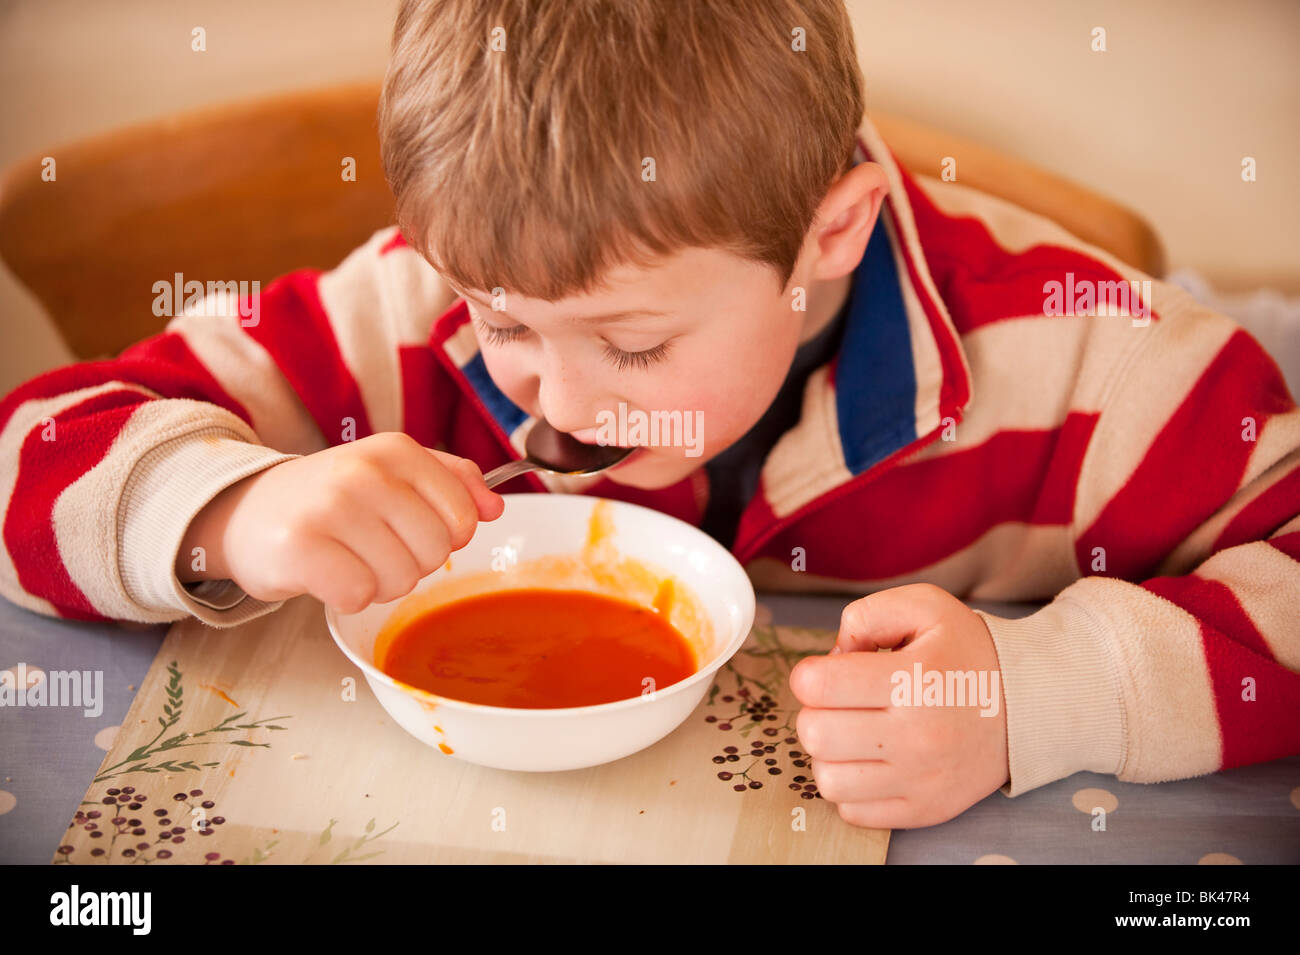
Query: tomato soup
[[538, 649]]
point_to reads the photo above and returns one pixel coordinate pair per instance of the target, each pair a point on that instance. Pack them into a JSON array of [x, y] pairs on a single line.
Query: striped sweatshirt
[[986, 425]]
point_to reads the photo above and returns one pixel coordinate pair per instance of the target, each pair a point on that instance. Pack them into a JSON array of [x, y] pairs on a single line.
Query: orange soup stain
[[663, 601], [446, 749], [219, 692], [538, 649]]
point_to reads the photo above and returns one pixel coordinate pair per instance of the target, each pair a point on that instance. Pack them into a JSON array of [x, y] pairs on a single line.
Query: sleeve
[[1179, 653], [104, 464]]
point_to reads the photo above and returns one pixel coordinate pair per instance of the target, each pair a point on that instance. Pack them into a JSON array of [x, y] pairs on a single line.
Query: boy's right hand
[[352, 525]]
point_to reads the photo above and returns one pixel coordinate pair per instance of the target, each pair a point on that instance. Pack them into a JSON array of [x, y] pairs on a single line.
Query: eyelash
[[642, 359]]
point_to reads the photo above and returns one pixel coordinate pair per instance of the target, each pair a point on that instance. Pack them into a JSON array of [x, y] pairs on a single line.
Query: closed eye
[[642, 359]]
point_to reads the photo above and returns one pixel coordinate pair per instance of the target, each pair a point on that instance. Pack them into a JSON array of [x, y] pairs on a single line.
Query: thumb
[[490, 504], [887, 618]]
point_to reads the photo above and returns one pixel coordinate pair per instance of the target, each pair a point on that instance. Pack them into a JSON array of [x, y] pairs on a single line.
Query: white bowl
[[543, 540]]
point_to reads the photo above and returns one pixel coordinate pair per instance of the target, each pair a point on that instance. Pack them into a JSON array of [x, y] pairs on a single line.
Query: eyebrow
[[591, 319]]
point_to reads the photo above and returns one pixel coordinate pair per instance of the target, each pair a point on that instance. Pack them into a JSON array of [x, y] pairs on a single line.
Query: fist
[[356, 524], [890, 753]]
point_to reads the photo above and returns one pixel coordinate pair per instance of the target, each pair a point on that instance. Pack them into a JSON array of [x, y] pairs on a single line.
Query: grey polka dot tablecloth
[[1249, 815]]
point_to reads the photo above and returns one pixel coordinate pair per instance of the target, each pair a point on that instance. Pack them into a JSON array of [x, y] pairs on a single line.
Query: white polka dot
[[34, 675], [105, 738], [995, 859], [762, 615], [7, 801], [1295, 797], [1089, 800]]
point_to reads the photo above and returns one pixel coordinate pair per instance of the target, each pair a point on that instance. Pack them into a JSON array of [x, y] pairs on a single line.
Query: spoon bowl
[[547, 449]]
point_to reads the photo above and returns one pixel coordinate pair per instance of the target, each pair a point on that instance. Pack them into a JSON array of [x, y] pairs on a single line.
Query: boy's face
[[703, 333]]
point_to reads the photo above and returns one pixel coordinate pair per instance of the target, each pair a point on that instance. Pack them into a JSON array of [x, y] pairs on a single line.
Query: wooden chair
[[253, 190]]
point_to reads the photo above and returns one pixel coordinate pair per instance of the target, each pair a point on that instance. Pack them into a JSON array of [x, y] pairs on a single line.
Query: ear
[[845, 219]]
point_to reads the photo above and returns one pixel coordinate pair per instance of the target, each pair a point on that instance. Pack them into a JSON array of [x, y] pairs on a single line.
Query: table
[[1251, 814]]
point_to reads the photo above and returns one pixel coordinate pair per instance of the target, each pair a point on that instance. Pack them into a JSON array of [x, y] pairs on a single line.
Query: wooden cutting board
[[263, 744]]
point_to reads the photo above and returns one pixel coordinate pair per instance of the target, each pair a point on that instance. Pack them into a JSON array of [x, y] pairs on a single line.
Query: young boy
[[905, 388]]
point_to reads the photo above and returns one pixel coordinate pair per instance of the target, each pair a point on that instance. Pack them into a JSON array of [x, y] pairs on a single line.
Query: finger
[[334, 575], [848, 681], [856, 782], [845, 735], [892, 813], [488, 502], [417, 526], [394, 567], [443, 488], [890, 618]]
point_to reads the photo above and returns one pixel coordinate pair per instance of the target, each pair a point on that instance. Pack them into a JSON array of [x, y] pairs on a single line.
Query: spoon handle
[[507, 471]]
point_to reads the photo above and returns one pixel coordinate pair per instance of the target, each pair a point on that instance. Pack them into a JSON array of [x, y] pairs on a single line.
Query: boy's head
[[645, 203]]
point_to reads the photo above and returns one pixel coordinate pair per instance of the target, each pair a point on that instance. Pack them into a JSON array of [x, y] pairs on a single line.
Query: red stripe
[[1265, 514], [163, 364], [1193, 466], [980, 281], [955, 390], [398, 241], [83, 435], [755, 519], [1253, 729], [1213, 603], [427, 395], [295, 331], [917, 514], [1288, 544]]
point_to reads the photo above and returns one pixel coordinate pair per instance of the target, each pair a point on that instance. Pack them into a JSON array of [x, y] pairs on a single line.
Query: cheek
[[740, 387], [512, 377]]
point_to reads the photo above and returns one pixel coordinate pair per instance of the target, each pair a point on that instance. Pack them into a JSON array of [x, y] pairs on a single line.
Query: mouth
[[634, 456], [588, 436]]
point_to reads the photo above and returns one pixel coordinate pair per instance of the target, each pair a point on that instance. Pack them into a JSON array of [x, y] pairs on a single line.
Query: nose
[[566, 400]]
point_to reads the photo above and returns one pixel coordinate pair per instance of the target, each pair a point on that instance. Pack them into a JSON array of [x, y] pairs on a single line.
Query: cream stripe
[[462, 345], [1025, 369], [26, 416], [1173, 731], [412, 291], [807, 460], [1259, 575], [1064, 703], [1149, 384], [355, 298], [1277, 440], [85, 514], [1011, 561]]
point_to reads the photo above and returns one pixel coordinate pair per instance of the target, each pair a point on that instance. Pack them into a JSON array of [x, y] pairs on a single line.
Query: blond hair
[[516, 135]]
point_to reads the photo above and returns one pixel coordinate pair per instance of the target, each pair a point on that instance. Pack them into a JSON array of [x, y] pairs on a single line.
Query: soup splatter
[[539, 649]]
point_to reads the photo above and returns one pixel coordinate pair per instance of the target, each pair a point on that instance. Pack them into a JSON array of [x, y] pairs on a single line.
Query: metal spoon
[[549, 450]]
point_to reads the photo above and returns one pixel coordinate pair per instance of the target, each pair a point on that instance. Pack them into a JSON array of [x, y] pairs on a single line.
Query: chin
[[653, 472]]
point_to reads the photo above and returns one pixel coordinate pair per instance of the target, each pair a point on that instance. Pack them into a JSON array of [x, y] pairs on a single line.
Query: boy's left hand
[[901, 767]]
